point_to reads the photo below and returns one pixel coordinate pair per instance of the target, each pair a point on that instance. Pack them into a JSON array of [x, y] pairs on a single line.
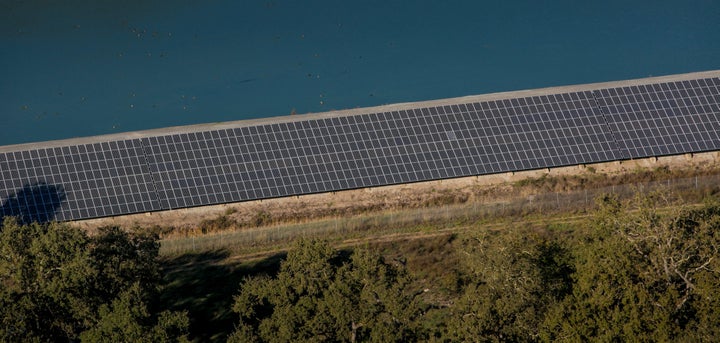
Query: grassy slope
[[204, 282]]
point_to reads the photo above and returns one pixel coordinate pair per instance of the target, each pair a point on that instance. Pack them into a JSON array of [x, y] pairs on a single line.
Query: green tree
[[319, 296], [127, 319], [646, 272], [371, 301], [58, 282], [125, 258], [608, 300], [513, 277], [44, 273]]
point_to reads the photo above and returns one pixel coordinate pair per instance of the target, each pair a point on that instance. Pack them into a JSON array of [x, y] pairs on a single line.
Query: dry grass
[[431, 217], [204, 265]]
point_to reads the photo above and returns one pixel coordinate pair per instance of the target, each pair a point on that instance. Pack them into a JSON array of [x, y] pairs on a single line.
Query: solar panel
[[377, 149], [303, 155], [78, 181], [664, 118]]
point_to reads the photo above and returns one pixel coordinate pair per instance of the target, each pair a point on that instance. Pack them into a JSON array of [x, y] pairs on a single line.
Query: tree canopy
[[640, 270], [643, 275], [320, 295], [60, 284]]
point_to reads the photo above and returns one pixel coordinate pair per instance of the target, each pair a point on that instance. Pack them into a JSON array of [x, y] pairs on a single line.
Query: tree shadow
[[37, 202], [204, 284]]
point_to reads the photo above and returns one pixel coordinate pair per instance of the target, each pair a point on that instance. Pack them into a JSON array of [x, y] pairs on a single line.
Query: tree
[[647, 272], [513, 277], [58, 282], [319, 296], [371, 300], [127, 319], [125, 258], [44, 272]]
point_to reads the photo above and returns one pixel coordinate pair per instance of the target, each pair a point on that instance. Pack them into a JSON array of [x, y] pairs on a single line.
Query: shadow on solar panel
[[36, 202]]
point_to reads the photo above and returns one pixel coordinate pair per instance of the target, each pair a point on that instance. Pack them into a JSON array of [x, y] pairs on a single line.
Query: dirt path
[[380, 238]]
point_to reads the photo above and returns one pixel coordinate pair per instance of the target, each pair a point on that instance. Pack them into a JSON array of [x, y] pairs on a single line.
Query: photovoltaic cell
[[74, 182], [664, 118], [311, 155], [377, 149]]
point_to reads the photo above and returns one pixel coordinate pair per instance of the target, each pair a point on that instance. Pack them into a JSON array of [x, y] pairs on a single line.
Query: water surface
[[80, 68]]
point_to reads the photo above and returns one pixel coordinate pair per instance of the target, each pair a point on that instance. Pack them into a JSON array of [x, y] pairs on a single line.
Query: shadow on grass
[[204, 284]]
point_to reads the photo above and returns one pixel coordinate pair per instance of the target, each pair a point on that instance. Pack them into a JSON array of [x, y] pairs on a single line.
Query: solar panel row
[[355, 151], [79, 181], [664, 119], [376, 149]]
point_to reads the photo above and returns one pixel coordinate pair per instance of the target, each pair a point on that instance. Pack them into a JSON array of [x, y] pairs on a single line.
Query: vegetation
[[319, 295], [642, 269], [644, 276], [504, 205], [59, 284]]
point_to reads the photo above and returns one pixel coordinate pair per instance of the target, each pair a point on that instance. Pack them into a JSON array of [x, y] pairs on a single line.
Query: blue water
[[79, 68]]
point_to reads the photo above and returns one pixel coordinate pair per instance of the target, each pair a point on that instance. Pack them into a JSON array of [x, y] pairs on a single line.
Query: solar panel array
[[77, 181], [664, 119], [377, 149], [303, 156]]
